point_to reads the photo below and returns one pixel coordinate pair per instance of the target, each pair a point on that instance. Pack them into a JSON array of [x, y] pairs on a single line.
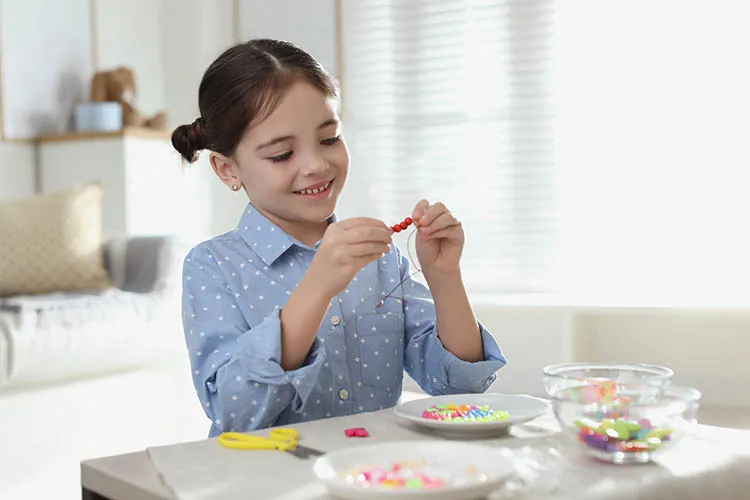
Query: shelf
[[139, 132]]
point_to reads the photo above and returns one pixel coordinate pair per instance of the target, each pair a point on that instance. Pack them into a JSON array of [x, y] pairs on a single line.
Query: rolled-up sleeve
[[236, 366], [436, 369]]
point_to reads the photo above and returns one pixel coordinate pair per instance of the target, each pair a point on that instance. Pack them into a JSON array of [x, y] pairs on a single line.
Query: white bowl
[[470, 470], [520, 407]]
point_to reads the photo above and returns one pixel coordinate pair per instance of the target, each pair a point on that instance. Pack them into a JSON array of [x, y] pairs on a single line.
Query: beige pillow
[[52, 243]]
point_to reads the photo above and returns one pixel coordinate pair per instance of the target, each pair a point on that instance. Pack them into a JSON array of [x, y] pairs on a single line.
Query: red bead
[[408, 220], [396, 228], [403, 226]]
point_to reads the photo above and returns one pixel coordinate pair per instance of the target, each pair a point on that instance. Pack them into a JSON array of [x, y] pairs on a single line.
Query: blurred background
[[596, 151]]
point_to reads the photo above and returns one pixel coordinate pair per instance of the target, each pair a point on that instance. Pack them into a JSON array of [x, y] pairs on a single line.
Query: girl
[[295, 315]]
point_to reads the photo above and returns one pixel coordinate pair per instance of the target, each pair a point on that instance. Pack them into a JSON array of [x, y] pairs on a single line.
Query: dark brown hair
[[243, 86]]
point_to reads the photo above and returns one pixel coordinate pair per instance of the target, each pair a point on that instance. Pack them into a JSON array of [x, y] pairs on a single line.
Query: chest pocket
[[381, 349]]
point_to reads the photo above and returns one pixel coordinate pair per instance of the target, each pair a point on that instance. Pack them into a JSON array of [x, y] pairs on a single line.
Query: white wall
[[311, 25], [128, 33], [187, 53], [46, 62], [706, 348], [17, 170]]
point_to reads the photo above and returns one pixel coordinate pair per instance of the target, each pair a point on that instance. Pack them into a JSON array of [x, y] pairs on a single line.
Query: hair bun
[[188, 140]]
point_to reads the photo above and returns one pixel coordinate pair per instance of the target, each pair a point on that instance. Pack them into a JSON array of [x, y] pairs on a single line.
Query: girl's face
[[293, 164]]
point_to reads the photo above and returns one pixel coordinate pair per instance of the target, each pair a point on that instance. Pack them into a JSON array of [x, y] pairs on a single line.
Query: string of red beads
[[402, 225]]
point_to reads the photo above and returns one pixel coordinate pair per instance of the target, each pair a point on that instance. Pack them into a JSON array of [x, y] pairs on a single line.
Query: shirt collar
[[265, 238]]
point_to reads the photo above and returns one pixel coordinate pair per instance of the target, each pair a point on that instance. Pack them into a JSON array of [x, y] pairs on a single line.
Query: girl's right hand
[[348, 246]]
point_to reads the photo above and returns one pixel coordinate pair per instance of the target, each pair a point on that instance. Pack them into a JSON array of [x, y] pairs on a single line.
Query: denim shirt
[[234, 287]]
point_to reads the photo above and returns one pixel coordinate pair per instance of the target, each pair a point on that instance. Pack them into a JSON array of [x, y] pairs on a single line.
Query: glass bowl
[[562, 376], [630, 423]]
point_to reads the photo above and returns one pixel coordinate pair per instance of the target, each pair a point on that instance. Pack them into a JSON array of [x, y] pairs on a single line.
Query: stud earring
[[235, 187]]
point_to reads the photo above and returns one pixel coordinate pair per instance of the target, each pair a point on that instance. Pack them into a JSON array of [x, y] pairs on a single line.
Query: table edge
[[110, 482]]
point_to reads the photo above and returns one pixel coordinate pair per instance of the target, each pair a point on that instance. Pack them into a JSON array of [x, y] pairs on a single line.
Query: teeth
[[315, 190]]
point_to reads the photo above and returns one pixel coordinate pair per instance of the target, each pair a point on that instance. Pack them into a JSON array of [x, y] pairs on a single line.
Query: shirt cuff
[[458, 376], [259, 354]]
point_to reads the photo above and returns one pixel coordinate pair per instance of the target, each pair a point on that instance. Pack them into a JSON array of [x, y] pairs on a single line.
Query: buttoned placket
[[337, 356]]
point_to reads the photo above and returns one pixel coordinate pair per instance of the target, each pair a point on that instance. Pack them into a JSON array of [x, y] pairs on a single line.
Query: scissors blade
[[305, 452]]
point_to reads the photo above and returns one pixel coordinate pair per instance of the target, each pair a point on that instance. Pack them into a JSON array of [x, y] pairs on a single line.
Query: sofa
[[90, 374]]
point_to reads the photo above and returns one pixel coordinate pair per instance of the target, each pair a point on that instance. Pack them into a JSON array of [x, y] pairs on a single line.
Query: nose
[[314, 164]]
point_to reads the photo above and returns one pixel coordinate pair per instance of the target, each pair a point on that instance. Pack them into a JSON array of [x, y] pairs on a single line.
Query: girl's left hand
[[439, 240]]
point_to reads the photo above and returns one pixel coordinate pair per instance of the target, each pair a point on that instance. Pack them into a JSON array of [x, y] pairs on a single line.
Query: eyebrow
[[327, 123]]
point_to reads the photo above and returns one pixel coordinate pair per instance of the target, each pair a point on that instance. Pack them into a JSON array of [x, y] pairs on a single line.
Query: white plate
[[520, 407], [474, 470]]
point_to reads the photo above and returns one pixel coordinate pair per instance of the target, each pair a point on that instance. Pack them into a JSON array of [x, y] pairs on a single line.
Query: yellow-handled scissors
[[282, 439]]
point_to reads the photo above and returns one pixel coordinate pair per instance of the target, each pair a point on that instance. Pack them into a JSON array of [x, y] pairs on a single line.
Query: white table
[[713, 464]]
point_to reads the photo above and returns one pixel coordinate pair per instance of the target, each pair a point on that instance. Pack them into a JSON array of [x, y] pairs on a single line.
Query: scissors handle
[[284, 434], [282, 439]]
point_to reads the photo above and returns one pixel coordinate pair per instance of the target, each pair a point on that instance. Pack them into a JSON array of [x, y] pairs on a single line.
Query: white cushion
[[62, 336]]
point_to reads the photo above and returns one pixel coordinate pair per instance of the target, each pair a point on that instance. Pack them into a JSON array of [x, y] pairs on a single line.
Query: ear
[[127, 77], [99, 87], [226, 170]]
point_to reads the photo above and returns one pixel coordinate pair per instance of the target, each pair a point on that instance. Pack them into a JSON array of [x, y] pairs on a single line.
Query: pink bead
[[356, 432]]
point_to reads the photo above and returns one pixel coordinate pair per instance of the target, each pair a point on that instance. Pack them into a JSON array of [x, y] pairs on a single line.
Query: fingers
[[419, 211], [363, 229], [444, 220], [361, 250], [446, 232], [368, 234], [361, 222], [426, 215]]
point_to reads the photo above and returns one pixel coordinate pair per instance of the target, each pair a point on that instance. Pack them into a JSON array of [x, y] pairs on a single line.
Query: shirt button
[[344, 394], [335, 320]]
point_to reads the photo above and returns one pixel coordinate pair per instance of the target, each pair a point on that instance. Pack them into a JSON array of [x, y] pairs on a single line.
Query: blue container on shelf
[[98, 117]]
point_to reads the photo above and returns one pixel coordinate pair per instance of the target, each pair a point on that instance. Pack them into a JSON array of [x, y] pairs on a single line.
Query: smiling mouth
[[317, 190]]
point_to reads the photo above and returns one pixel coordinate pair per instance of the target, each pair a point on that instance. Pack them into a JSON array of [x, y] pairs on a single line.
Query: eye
[[281, 158], [331, 141]]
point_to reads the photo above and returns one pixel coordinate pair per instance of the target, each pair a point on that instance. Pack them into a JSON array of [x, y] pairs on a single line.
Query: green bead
[[608, 423], [658, 433], [622, 430], [414, 482]]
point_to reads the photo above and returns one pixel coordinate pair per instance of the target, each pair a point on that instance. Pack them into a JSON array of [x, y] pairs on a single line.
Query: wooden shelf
[[143, 133]]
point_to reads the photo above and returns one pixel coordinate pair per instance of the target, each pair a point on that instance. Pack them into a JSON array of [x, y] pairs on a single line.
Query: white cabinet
[[147, 189]]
